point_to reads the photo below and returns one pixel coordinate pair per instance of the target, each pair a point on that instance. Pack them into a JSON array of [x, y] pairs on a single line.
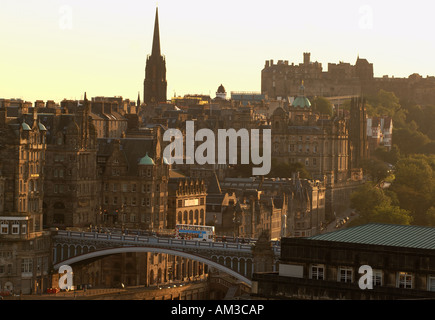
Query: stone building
[[282, 207], [71, 185], [300, 135], [24, 245], [155, 84], [379, 133], [327, 266], [186, 202], [134, 178], [282, 80]]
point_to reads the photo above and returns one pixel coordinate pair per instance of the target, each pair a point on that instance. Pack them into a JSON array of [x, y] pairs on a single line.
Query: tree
[[377, 169], [414, 185], [409, 140], [374, 205], [322, 105], [391, 156], [430, 216], [286, 170], [367, 197]]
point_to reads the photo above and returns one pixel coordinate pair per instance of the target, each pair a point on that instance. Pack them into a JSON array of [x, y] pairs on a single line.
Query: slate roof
[[384, 234]]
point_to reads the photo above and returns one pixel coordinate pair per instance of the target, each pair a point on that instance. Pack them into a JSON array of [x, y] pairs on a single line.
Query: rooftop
[[385, 235]]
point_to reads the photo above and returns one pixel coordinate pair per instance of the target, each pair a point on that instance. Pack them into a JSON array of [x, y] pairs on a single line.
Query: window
[[27, 265], [345, 274], [115, 200], [133, 187], [404, 280], [124, 187], [15, 227], [318, 272], [377, 278], [431, 283], [4, 227]]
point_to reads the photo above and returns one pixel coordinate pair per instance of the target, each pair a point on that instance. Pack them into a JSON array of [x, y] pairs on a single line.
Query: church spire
[[156, 39], [155, 85]]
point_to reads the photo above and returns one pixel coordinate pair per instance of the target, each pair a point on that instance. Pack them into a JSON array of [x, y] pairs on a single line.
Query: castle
[[282, 80]]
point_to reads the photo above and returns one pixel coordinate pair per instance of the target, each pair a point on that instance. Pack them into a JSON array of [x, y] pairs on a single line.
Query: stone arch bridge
[[235, 259]]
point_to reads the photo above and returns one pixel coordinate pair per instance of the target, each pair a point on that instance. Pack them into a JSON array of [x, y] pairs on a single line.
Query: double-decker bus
[[192, 232]]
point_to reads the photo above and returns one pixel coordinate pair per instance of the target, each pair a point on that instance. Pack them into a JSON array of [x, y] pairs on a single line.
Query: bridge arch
[[105, 252]]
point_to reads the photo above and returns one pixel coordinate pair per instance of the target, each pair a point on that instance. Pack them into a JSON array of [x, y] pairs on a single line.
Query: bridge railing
[[135, 239]]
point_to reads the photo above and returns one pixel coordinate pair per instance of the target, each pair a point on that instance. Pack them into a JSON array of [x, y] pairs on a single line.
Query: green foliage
[[322, 106], [410, 140], [374, 205], [286, 170], [388, 156], [414, 185], [430, 216], [377, 169]]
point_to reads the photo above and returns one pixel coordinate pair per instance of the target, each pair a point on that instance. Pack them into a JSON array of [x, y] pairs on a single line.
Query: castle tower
[[155, 85]]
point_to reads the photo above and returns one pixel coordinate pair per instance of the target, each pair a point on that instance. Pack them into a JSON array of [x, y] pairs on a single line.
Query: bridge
[[235, 259]]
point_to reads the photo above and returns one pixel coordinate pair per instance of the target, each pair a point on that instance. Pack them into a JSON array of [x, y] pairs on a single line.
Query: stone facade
[[186, 202], [134, 178], [24, 245], [282, 80], [322, 269]]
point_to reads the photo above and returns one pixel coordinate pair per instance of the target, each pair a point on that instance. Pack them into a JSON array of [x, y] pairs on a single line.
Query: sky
[[59, 49]]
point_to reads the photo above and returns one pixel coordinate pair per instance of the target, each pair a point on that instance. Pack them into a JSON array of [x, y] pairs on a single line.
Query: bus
[[192, 232]]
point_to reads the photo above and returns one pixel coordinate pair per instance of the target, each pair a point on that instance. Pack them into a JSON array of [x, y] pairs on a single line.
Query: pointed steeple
[[156, 39], [155, 85]]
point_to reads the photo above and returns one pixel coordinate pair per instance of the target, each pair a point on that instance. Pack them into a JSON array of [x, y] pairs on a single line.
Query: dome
[[147, 161], [301, 102], [165, 161], [221, 89], [25, 127]]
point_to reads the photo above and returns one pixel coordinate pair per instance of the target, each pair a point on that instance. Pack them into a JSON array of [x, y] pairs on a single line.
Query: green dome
[[147, 161], [301, 102]]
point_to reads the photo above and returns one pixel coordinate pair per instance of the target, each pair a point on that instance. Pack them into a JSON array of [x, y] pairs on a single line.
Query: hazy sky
[[52, 49]]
